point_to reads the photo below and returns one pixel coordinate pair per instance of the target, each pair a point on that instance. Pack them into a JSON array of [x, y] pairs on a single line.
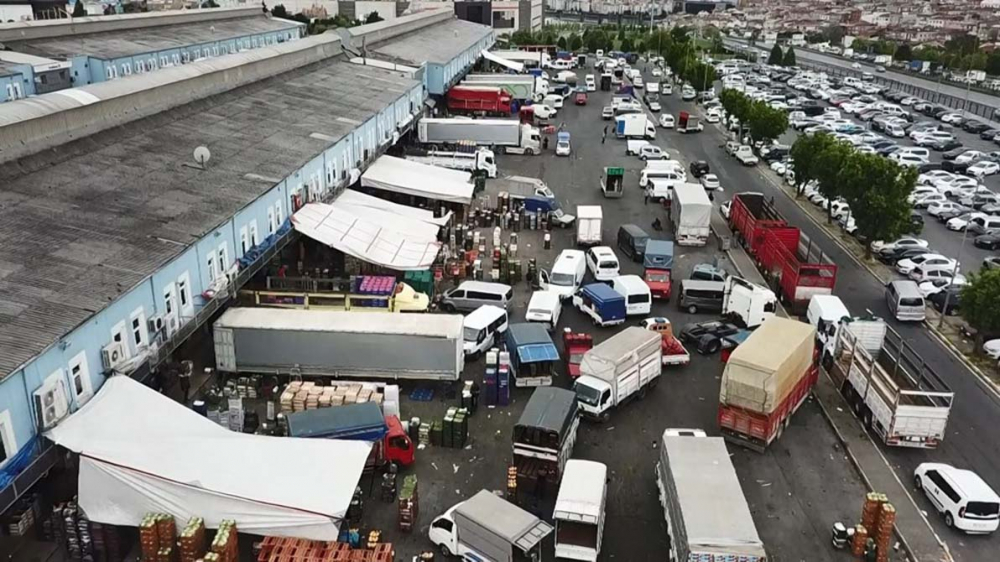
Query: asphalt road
[[973, 440], [796, 490], [829, 60]]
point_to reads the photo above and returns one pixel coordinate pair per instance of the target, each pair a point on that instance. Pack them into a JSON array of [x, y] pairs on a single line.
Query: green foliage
[[596, 40], [827, 167], [736, 103], [679, 34], [561, 43], [805, 153], [626, 45], [699, 74], [981, 303], [776, 57], [963, 45], [903, 52], [373, 18], [79, 10], [278, 11], [789, 59], [575, 42], [765, 122], [876, 189]]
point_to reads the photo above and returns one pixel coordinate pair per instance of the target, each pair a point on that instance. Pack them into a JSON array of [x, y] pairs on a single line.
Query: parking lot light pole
[[951, 282]]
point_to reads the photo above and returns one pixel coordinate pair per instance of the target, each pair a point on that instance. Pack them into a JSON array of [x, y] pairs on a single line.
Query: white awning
[[377, 236], [421, 180], [515, 66], [141, 452], [358, 199]]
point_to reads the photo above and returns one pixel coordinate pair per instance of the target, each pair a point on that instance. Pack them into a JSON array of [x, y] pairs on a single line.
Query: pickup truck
[[673, 350], [746, 156]]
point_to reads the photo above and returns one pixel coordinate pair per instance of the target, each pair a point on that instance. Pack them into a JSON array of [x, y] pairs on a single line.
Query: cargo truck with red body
[[795, 268], [479, 100], [575, 344], [765, 381]]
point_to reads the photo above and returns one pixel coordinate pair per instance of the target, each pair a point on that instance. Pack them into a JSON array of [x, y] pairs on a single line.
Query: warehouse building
[[170, 190]]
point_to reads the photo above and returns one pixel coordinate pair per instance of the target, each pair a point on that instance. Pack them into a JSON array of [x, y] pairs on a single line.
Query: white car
[[984, 168], [865, 149], [992, 348], [652, 152], [955, 186], [934, 269], [907, 159], [935, 209], [961, 496], [602, 263], [928, 200], [711, 182], [856, 66], [951, 118], [932, 176], [939, 281], [909, 264], [959, 223], [654, 106], [900, 243], [667, 121], [563, 148], [713, 115], [657, 73], [969, 156]]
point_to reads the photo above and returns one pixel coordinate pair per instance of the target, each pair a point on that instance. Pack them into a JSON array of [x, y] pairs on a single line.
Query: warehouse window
[[244, 240], [223, 258], [184, 294], [279, 213], [210, 262], [79, 374], [253, 233], [271, 226], [138, 324]]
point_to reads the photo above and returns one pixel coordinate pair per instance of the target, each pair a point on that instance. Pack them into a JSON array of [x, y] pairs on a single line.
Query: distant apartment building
[[505, 16]]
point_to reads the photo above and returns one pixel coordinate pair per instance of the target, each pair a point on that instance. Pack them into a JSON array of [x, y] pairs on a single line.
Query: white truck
[[579, 510], [746, 156], [487, 527], [519, 86], [481, 159], [891, 389], [690, 214], [707, 514], [635, 126], [510, 135], [589, 219], [535, 194], [747, 304], [625, 365]]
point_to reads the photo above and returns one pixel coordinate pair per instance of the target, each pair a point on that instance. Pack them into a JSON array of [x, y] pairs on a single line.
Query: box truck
[[487, 527], [706, 512], [543, 439], [517, 86], [765, 381], [482, 159], [589, 219], [635, 126], [746, 304], [510, 135], [357, 422], [339, 344], [625, 365], [579, 511], [533, 355], [690, 214]]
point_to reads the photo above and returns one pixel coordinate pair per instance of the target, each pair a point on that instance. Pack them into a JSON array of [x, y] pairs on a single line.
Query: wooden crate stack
[[409, 505], [878, 519], [277, 549], [157, 537], [883, 531], [193, 540], [225, 545]]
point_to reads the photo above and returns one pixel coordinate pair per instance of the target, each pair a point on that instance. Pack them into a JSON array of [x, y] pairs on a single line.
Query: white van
[[918, 151], [602, 263], [638, 298], [545, 307], [746, 303], [553, 102], [672, 171], [961, 496], [470, 295], [482, 327], [825, 313], [905, 301], [566, 275]]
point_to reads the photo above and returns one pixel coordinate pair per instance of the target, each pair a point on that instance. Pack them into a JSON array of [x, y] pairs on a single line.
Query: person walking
[[645, 198], [184, 378]]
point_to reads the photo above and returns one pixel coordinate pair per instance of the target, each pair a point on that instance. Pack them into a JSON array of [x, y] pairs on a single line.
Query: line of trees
[[763, 122], [781, 58]]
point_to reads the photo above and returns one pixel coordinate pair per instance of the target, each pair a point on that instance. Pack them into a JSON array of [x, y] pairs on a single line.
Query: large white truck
[[589, 219], [487, 527], [340, 344], [707, 514], [891, 389], [579, 511], [481, 159], [510, 135], [690, 214], [635, 126], [625, 365], [747, 304]]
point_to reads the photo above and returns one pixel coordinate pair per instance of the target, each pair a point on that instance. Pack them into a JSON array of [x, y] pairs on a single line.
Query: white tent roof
[[358, 199], [141, 452], [413, 178], [515, 66], [378, 236]]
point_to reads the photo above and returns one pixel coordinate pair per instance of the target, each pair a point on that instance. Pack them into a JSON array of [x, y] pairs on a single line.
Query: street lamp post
[[951, 282]]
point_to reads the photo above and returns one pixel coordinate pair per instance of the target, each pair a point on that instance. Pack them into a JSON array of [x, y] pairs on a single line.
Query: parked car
[[964, 499], [667, 121], [950, 296], [711, 182], [698, 168], [897, 254], [906, 266], [983, 168], [989, 241]]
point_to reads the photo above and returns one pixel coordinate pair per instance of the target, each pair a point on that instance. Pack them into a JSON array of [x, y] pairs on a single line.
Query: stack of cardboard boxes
[[299, 396]]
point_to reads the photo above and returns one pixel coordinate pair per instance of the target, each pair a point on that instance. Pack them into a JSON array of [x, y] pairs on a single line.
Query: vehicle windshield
[[586, 394], [473, 334], [563, 279], [657, 277]]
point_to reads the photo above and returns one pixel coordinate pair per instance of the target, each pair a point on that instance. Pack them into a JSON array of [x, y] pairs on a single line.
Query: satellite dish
[[202, 155]]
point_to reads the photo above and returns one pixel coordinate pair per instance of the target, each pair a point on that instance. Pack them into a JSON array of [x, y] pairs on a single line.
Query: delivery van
[[481, 328], [545, 307], [904, 300], [566, 275], [638, 297], [470, 295]]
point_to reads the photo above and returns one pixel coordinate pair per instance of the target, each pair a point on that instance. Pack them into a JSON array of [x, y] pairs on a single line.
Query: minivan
[[917, 151], [905, 301], [961, 496], [566, 275], [984, 225], [696, 296], [638, 297], [481, 327], [470, 295], [632, 240]]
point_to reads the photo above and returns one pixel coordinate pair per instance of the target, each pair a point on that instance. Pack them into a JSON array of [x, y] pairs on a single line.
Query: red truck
[[796, 268], [575, 344], [481, 100], [357, 422], [766, 379]]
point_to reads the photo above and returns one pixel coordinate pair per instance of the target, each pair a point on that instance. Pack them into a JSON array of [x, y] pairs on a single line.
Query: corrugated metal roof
[[438, 44], [83, 224]]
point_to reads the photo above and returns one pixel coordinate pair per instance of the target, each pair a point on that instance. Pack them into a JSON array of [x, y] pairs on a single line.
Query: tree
[[561, 43], [700, 75], [993, 63], [79, 10], [776, 57], [765, 122], [373, 17], [962, 45], [805, 151], [828, 166], [595, 41], [575, 42], [789, 59], [877, 189], [981, 303], [679, 34], [737, 104], [903, 52], [626, 45]]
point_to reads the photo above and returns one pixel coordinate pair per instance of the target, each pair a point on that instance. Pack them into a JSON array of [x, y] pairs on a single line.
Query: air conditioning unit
[[155, 324], [51, 404], [113, 355], [172, 324]]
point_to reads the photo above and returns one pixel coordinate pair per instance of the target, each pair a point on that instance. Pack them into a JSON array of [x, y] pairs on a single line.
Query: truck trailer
[[488, 528], [340, 344], [508, 134], [707, 514], [765, 381], [479, 100], [795, 268], [517, 86], [533, 355], [893, 392], [357, 422], [690, 213], [579, 511], [625, 365], [481, 159], [543, 439]]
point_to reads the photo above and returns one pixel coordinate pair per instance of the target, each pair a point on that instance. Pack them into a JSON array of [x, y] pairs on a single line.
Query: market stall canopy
[[377, 236], [515, 66], [421, 180], [358, 199], [141, 452]]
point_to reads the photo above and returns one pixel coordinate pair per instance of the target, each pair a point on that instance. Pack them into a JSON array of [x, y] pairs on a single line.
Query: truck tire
[[918, 483], [713, 346], [653, 383], [448, 307], [642, 392], [529, 151], [692, 309]]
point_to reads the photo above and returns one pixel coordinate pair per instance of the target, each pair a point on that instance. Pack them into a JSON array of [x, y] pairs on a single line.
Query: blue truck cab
[[604, 305], [533, 354]]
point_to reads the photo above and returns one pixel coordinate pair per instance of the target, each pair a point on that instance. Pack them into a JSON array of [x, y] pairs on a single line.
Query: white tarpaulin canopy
[[141, 452], [413, 178], [358, 199], [515, 66], [379, 236]]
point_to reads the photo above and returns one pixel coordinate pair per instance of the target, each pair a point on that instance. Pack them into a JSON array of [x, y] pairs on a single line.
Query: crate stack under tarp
[[408, 503]]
